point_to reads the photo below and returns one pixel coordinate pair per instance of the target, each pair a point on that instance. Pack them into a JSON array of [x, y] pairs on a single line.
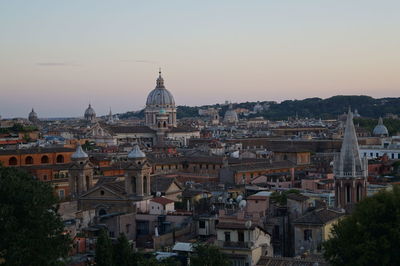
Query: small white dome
[[136, 153], [79, 153], [380, 129], [231, 116]]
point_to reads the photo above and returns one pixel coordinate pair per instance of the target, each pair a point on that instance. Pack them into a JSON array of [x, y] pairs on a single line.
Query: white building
[[161, 205]]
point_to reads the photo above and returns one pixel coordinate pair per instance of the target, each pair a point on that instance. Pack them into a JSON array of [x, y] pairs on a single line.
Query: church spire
[[349, 163], [350, 172]]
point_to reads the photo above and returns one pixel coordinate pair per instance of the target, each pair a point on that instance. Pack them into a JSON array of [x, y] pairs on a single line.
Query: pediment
[[102, 192]]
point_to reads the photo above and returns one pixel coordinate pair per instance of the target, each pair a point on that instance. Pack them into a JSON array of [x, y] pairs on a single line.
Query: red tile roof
[[162, 201]]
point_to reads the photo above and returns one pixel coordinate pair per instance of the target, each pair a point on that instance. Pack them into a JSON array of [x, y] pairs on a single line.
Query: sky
[[57, 56]]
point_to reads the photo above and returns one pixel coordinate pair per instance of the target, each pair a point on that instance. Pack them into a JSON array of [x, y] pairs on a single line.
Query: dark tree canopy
[[208, 255], [31, 231], [122, 251], [310, 107], [104, 250], [371, 235]]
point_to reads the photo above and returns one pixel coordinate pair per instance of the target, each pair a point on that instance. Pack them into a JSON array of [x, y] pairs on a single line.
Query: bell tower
[[81, 173], [350, 171], [137, 175]]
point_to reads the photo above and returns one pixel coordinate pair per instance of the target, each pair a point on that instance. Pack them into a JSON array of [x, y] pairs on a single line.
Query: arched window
[[12, 161], [60, 158], [359, 192], [45, 159], [134, 185], [87, 182], [348, 194], [102, 212], [165, 124], [145, 185], [29, 160], [159, 124]]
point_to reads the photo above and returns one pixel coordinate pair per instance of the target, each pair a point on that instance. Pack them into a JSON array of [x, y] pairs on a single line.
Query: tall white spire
[[349, 164]]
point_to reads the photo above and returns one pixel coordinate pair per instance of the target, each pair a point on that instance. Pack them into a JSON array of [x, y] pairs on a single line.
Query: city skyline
[[58, 57]]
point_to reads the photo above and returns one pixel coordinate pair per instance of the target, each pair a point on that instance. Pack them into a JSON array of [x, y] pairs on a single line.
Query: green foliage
[[208, 255], [187, 111], [121, 254], [129, 115], [311, 107], [143, 259], [18, 128], [393, 125], [370, 236], [122, 251], [104, 250], [88, 146], [281, 197], [31, 231]]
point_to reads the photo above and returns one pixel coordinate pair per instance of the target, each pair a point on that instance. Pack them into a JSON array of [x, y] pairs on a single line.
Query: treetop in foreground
[[31, 231], [371, 235]]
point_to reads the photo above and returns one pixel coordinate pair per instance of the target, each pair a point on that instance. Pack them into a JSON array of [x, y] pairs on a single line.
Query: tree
[[104, 250], [281, 197], [122, 251], [208, 255], [371, 235], [31, 231]]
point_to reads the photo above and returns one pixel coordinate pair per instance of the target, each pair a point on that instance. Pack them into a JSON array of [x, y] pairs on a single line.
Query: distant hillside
[[310, 107]]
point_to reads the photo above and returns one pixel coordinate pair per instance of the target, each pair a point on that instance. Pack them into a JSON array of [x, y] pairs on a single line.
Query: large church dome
[[90, 114], [231, 115], [160, 96], [33, 116]]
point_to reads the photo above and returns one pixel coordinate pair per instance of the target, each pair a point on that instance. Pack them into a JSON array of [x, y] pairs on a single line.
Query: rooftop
[[318, 217]]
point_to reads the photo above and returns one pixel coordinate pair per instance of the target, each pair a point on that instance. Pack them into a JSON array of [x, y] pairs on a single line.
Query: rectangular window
[[275, 232], [377, 155], [227, 237], [392, 155], [202, 224], [307, 234], [241, 236], [61, 193]]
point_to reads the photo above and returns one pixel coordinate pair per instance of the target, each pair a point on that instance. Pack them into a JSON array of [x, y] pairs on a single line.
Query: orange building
[[45, 164]]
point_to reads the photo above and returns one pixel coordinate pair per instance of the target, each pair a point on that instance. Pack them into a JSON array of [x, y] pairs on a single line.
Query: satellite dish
[[248, 224], [239, 198], [158, 194], [242, 204]]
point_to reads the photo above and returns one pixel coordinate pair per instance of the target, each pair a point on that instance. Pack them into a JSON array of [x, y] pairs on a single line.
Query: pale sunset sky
[[57, 56]]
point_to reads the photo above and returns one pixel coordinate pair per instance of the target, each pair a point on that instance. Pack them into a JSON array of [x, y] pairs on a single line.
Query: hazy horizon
[[58, 56]]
